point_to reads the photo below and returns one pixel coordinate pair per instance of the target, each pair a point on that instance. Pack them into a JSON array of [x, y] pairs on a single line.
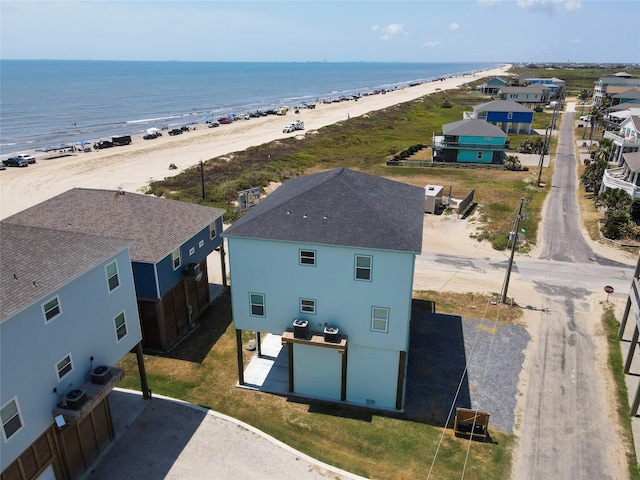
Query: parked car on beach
[[27, 157], [15, 162], [175, 131], [151, 136], [214, 124], [2, 167]]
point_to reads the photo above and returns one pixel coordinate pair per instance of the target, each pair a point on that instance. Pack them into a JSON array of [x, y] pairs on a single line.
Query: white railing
[[614, 178], [631, 141]]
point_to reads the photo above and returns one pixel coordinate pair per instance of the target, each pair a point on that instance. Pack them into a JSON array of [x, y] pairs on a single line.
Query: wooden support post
[[636, 402], [402, 362], [632, 349], [343, 380], [290, 359], [239, 353], [144, 385]]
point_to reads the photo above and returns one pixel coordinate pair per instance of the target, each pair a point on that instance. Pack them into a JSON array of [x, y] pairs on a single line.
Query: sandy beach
[[132, 167]]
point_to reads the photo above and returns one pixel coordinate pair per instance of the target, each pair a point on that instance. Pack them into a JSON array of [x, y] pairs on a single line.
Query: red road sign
[[608, 289]]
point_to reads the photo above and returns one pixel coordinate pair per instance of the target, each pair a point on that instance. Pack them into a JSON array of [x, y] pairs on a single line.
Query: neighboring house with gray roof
[[326, 262], [626, 177], [68, 314], [530, 95], [626, 139], [470, 141], [171, 242], [507, 114]]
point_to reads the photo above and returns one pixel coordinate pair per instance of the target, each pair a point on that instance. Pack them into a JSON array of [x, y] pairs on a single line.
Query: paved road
[[565, 431]]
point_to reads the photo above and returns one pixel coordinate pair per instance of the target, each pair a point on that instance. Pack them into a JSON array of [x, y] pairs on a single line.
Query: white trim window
[[379, 319], [307, 257], [307, 305], [509, 115], [212, 231], [64, 366], [120, 324], [256, 301], [176, 261], [113, 280], [363, 267], [51, 308], [11, 418]]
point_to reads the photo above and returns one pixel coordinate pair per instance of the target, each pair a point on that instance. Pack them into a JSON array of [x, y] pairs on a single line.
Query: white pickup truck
[[293, 126]]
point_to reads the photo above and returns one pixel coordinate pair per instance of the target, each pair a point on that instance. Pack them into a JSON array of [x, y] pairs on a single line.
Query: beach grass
[[366, 143]]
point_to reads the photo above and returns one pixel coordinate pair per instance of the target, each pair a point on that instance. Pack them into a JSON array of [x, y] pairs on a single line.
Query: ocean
[[51, 102]]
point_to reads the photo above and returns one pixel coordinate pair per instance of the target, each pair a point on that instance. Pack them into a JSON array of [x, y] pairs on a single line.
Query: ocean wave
[[151, 120]]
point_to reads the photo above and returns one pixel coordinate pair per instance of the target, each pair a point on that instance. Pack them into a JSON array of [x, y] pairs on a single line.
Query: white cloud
[[453, 26], [390, 30], [549, 6], [433, 44]]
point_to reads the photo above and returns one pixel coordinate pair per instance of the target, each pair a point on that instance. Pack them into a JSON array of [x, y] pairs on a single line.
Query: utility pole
[[544, 148], [505, 287], [202, 177]]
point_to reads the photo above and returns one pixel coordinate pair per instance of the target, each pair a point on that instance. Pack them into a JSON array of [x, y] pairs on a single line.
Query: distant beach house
[[604, 87], [492, 86], [507, 114], [171, 242], [68, 315], [626, 140], [531, 95], [627, 95], [326, 262], [470, 140]]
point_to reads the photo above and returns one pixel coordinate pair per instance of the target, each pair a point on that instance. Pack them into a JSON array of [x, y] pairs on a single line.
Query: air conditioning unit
[[300, 328], [101, 374], [75, 399], [331, 334], [193, 271]]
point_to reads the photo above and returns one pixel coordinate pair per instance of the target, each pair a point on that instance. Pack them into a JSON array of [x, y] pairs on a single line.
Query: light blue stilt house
[[326, 262]]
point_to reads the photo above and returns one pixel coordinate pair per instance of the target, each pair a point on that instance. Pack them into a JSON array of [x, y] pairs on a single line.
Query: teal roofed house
[[326, 263], [470, 141]]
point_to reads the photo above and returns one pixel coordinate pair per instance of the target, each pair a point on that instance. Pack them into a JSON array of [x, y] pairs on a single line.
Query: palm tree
[[584, 93], [603, 152], [596, 117]]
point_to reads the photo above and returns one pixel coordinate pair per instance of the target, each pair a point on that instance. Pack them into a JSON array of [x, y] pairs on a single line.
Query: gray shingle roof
[[632, 159], [50, 258], [501, 106], [157, 225], [472, 127], [339, 207]]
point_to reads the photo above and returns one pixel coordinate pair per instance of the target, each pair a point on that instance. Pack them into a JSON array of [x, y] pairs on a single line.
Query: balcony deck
[[614, 178]]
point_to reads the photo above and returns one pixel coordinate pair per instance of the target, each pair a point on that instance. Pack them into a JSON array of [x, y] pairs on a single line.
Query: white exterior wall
[[372, 376], [317, 371], [272, 269], [30, 349]]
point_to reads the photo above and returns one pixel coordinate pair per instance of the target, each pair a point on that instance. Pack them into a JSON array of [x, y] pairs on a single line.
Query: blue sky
[[305, 30]]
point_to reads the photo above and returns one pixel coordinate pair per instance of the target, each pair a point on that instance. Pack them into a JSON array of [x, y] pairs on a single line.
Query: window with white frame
[[509, 115], [212, 231], [51, 309], [363, 267], [192, 250], [307, 257], [307, 305], [480, 155], [379, 319], [256, 301], [112, 276], [11, 418], [175, 259], [64, 366], [121, 326]]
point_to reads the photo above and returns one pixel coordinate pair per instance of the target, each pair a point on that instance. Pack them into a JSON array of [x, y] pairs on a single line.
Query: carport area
[[452, 362]]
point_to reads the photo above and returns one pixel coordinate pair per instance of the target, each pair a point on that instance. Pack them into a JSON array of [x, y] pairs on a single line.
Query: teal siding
[[317, 372], [372, 375]]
